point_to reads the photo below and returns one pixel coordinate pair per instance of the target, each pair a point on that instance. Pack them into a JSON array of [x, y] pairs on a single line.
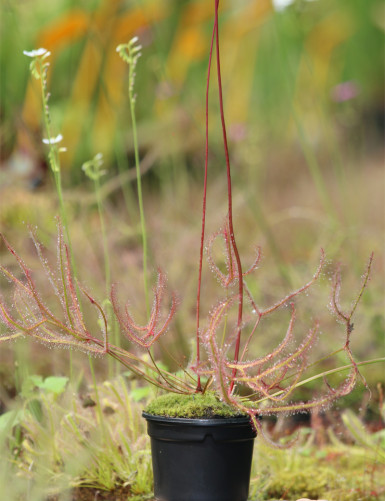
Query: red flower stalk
[[234, 248]]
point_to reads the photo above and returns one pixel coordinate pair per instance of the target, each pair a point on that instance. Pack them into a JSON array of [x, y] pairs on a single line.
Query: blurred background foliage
[[310, 72], [304, 103]]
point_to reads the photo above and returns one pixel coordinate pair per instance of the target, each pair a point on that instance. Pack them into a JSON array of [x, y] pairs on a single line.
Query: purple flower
[[344, 91]]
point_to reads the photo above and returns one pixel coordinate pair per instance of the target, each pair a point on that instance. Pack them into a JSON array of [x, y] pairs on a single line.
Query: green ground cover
[[59, 444]]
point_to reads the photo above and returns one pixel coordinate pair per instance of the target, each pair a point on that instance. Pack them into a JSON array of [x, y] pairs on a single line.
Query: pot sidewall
[[201, 459]]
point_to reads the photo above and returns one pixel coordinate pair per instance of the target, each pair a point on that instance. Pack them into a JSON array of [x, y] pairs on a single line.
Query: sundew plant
[[223, 359]]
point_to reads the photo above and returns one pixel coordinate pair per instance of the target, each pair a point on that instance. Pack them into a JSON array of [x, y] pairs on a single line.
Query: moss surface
[[199, 405]]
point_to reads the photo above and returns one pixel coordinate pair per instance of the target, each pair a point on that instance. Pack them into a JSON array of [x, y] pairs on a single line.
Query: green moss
[[336, 473], [199, 405], [308, 483]]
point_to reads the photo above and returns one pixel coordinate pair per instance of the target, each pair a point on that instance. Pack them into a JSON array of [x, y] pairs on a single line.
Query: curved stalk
[[229, 200], [199, 385]]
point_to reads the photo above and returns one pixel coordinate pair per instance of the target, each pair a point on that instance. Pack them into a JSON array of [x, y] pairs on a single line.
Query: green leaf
[[35, 408], [9, 419], [379, 437], [54, 384], [29, 384], [139, 393]]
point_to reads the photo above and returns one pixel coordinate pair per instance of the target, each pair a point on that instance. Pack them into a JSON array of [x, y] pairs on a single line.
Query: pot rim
[[217, 421]]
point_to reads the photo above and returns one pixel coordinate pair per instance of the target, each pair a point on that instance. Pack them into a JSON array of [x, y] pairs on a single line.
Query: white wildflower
[[36, 52], [53, 140]]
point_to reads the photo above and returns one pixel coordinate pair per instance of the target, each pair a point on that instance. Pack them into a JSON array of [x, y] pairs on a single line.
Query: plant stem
[[123, 168], [54, 161], [140, 194], [107, 267], [53, 155], [229, 199], [98, 406], [199, 386], [326, 373]]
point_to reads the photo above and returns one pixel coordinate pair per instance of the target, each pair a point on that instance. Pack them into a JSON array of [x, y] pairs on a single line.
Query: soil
[[122, 494], [92, 494]]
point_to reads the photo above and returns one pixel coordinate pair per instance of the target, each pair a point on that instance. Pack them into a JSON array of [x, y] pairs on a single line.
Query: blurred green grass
[[281, 70]]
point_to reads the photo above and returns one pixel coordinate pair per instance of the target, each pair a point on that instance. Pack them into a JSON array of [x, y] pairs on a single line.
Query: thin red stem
[[230, 204], [199, 386]]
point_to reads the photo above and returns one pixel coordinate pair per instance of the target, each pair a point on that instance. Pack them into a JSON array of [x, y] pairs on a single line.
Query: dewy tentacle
[[145, 336]]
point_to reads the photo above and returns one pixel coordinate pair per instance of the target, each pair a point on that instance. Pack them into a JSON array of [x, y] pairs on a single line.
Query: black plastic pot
[[201, 459]]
